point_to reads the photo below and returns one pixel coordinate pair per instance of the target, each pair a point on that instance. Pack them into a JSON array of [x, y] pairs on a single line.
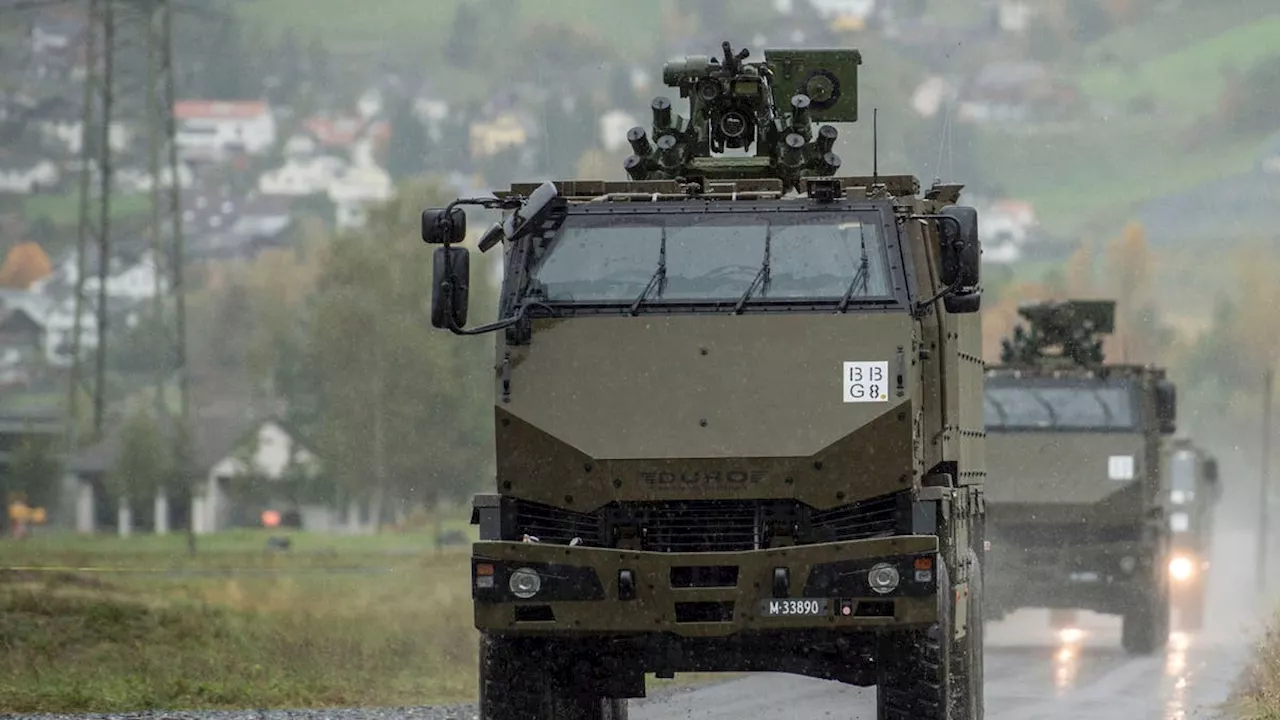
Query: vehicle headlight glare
[[883, 578], [1181, 568], [524, 583]]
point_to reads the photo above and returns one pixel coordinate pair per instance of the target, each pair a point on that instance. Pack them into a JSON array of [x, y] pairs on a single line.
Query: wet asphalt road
[[1036, 673]]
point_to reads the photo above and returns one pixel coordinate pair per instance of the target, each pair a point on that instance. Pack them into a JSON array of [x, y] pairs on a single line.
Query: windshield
[[1059, 406], [1182, 472], [714, 258]]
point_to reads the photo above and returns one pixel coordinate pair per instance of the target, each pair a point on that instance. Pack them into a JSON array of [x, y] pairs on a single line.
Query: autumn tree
[[24, 264], [1129, 265]]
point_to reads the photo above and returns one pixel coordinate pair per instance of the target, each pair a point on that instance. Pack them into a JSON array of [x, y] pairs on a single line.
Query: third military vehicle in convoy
[[1193, 494], [1075, 494], [737, 411]]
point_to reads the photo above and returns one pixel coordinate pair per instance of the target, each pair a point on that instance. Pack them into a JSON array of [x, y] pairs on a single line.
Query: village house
[[355, 189], [301, 175], [26, 173], [209, 130], [244, 467], [60, 122], [490, 138]]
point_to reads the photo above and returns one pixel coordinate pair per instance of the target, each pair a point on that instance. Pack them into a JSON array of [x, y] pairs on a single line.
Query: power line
[[114, 28]]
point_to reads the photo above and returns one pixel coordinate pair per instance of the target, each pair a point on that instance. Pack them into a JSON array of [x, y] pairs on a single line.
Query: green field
[[353, 28], [63, 211], [107, 624], [150, 627], [1180, 65]]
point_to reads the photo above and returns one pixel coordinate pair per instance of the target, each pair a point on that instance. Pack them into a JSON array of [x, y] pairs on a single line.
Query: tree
[[464, 36], [35, 470], [407, 153], [378, 369], [1130, 263], [24, 264], [143, 465]]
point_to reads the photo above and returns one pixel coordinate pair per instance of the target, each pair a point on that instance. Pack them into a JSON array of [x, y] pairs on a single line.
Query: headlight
[[1128, 563], [1181, 568], [883, 578], [1179, 522], [524, 583]]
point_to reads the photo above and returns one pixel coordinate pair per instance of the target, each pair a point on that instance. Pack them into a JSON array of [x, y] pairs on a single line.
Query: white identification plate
[[866, 381], [1120, 467]]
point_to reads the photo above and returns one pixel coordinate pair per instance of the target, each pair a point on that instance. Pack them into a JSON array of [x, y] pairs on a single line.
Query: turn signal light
[[484, 569], [924, 563]]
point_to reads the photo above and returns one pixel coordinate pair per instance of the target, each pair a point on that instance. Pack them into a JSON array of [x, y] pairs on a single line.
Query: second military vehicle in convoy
[[737, 411], [1075, 494], [1193, 495]]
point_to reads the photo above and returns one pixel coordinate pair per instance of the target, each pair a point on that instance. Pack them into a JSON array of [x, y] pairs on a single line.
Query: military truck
[[1193, 494], [736, 411], [1076, 500]]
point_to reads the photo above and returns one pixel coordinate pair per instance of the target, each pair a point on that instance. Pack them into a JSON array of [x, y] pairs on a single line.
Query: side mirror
[[963, 303], [450, 281], [961, 248], [532, 213], [1167, 407], [491, 237], [440, 230]]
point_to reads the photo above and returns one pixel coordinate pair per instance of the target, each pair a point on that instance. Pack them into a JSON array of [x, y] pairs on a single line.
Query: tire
[[916, 678], [521, 679], [1145, 629]]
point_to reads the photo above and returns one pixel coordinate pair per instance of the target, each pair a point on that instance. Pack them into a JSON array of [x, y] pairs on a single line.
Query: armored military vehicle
[[736, 411], [1075, 493], [1193, 493]]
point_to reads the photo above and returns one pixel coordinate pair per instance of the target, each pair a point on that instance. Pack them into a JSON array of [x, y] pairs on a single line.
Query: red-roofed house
[[344, 132], [211, 129]]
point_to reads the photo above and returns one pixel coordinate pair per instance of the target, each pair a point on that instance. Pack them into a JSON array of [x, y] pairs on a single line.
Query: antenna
[[875, 146]]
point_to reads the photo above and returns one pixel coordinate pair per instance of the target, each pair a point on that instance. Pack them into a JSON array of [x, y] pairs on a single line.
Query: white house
[[138, 180], [136, 281], [301, 176], [23, 177], [70, 133], [272, 454], [211, 129], [370, 103], [355, 189]]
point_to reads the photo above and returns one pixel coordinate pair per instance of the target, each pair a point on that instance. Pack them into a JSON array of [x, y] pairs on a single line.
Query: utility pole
[[1264, 480], [95, 156]]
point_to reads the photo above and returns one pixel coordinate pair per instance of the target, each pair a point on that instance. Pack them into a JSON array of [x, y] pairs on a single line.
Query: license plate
[[797, 607]]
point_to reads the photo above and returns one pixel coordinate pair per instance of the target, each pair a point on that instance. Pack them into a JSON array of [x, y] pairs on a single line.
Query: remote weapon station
[[736, 411], [1076, 494]]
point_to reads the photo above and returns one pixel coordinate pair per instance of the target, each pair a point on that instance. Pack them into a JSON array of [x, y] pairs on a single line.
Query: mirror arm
[[502, 324]]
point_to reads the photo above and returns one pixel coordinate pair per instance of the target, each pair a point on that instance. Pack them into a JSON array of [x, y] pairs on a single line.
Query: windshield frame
[[1137, 426], [897, 263]]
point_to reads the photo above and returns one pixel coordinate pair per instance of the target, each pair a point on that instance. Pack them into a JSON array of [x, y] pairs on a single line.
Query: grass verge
[[1257, 696], [106, 624], [119, 642]]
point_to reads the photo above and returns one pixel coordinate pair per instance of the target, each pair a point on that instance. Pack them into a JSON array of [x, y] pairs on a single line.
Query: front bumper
[[585, 590], [1097, 577]]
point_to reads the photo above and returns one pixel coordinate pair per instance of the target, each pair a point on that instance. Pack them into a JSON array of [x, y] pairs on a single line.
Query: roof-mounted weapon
[[1065, 332], [734, 105]]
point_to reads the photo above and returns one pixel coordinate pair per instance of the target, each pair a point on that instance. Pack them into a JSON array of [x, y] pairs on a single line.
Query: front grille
[[707, 525], [1064, 534]]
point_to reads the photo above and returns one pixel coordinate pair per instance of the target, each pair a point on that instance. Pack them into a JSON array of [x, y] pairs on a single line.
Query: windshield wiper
[[659, 277], [862, 277], [762, 277]]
